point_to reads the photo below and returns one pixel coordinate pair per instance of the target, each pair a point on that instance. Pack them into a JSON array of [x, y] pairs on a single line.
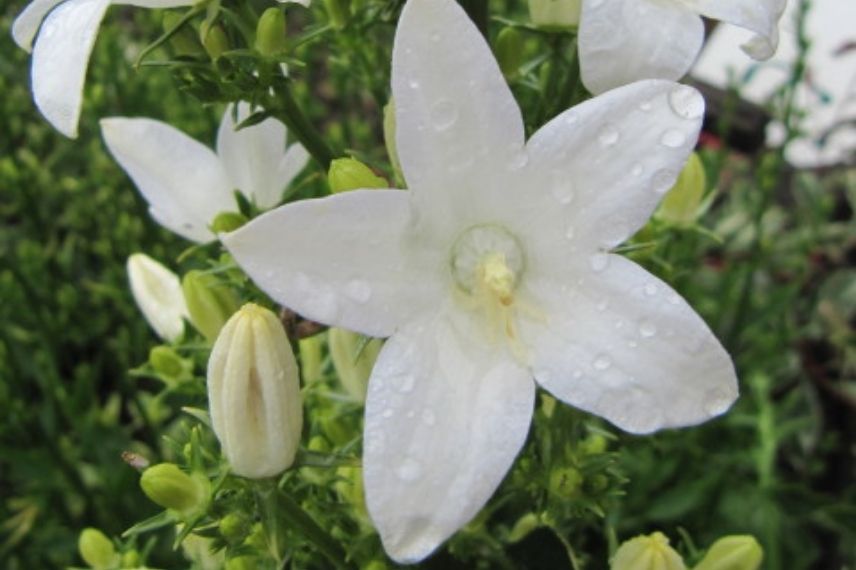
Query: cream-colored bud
[[739, 552], [157, 292], [651, 552], [254, 394]]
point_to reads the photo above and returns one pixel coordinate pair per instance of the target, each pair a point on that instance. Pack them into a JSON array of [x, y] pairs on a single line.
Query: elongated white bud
[[254, 394], [157, 292]]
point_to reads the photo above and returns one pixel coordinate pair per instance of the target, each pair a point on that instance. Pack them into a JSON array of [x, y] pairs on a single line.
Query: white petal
[[157, 292], [301, 2], [60, 57], [156, 3], [622, 41], [445, 418], [759, 16], [254, 157], [459, 130], [597, 171], [348, 260], [27, 23], [623, 345], [181, 179]]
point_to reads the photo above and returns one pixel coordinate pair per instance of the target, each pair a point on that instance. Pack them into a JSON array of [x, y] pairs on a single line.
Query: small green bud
[[555, 14], [131, 559], [739, 552], [209, 302], [318, 443], [97, 550], [214, 39], [681, 204], [338, 12], [651, 552], [166, 361], [377, 565], [184, 41], [509, 51], [594, 444], [234, 527], [353, 357], [351, 174], [389, 137], [172, 488], [226, 222], [242, 563], [565, 482], [257, 538], [524, 526], [270, 32], [310, 358]]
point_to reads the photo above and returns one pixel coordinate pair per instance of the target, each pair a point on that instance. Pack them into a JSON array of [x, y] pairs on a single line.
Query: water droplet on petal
[[409, 470], [599, 262], [520, 159], [637, 170], [562, 190], [716, 401], [358, 290], [571, 117], [602, 362], [651, 289], [429, 418], [673, 138], [662, 180], [646, 106], [647, 329], [387, 413], [578, 374], [686, 102], [609, 135], [413, 84], [569, 232], [444, 113], [406, 383]]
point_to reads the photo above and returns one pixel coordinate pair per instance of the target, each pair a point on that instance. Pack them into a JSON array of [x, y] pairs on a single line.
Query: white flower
[[157, 292], [186, 184], [621, 41], [492, 269], [66, 33]]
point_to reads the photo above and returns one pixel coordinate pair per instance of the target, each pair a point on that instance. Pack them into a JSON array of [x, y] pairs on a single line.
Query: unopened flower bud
[[565, 482], [509, 51], [353, 357], [739, 552], [97, 550], [555, 13], [157, 292], [172, 488], [681, 204], [226, 222], [131, 559], [214, 39], [338, 12], [389, 137], [351, 174], [524, 526], [166, 362], [184, 41], [234, 527], [651, 552], [209, 302], [270, 32], [310, 358], [254, 394]]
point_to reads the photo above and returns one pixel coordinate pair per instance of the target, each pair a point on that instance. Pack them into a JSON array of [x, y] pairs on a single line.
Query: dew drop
[[645, 106], [571, 117], [647, 329], [650, 289], [686, 102], [406, 383], [387, 413], [578, 374], [716, 401], [413, 84], [602, 362], [521, 159], [409, 470], [444, 113], [602, 305], [637, 170], [632, 344], [673, 138], [358, 290], [662, 180], [569, 233], [563, 190], [608, 135], [429, 418], [599, 262]]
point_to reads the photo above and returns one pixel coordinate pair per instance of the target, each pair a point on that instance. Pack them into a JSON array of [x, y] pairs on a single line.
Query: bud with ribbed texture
[[270, 32], [353, 357], [157, 292], [214, 39], [254, 394], [351, 174], [647, 552], [97, 550], [555, 13], [739, 552], [209, 302], [172, 488]]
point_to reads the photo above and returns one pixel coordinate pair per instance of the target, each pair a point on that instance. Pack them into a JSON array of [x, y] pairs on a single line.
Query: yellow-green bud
[[318, 443], [739, 552], [254, 394], [681, 204], [184, 41], [555, 13], [351, 174], [242, 563], [509, 51], [226, 222], [338, 12], [97, 550], [234, 527], [389, 137], [172, 488], [651, 552], [270, 32], [131, 559], [310, 358], [594, 444], [166, 361], [523, 527], [377, 565], [214, 39], [565, 482], [353, 359], [209, 302]]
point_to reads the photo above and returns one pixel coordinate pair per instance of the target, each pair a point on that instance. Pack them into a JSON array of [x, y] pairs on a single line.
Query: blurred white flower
[[622, 41], [157, 292], [494, 269], [186, 184], [66, 31]]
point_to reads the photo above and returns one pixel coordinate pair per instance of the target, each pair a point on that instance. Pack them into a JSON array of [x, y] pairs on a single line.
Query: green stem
[[282, 105]]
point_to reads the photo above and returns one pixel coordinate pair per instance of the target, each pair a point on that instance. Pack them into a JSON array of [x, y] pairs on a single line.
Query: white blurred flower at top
[[187, 184], [622, 41], [61, 34], [494, 274]]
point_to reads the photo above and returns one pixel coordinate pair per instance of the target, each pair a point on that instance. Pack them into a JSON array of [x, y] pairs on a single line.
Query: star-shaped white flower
[[186, 184], [494, 270], [622, 41], [66, 34]]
